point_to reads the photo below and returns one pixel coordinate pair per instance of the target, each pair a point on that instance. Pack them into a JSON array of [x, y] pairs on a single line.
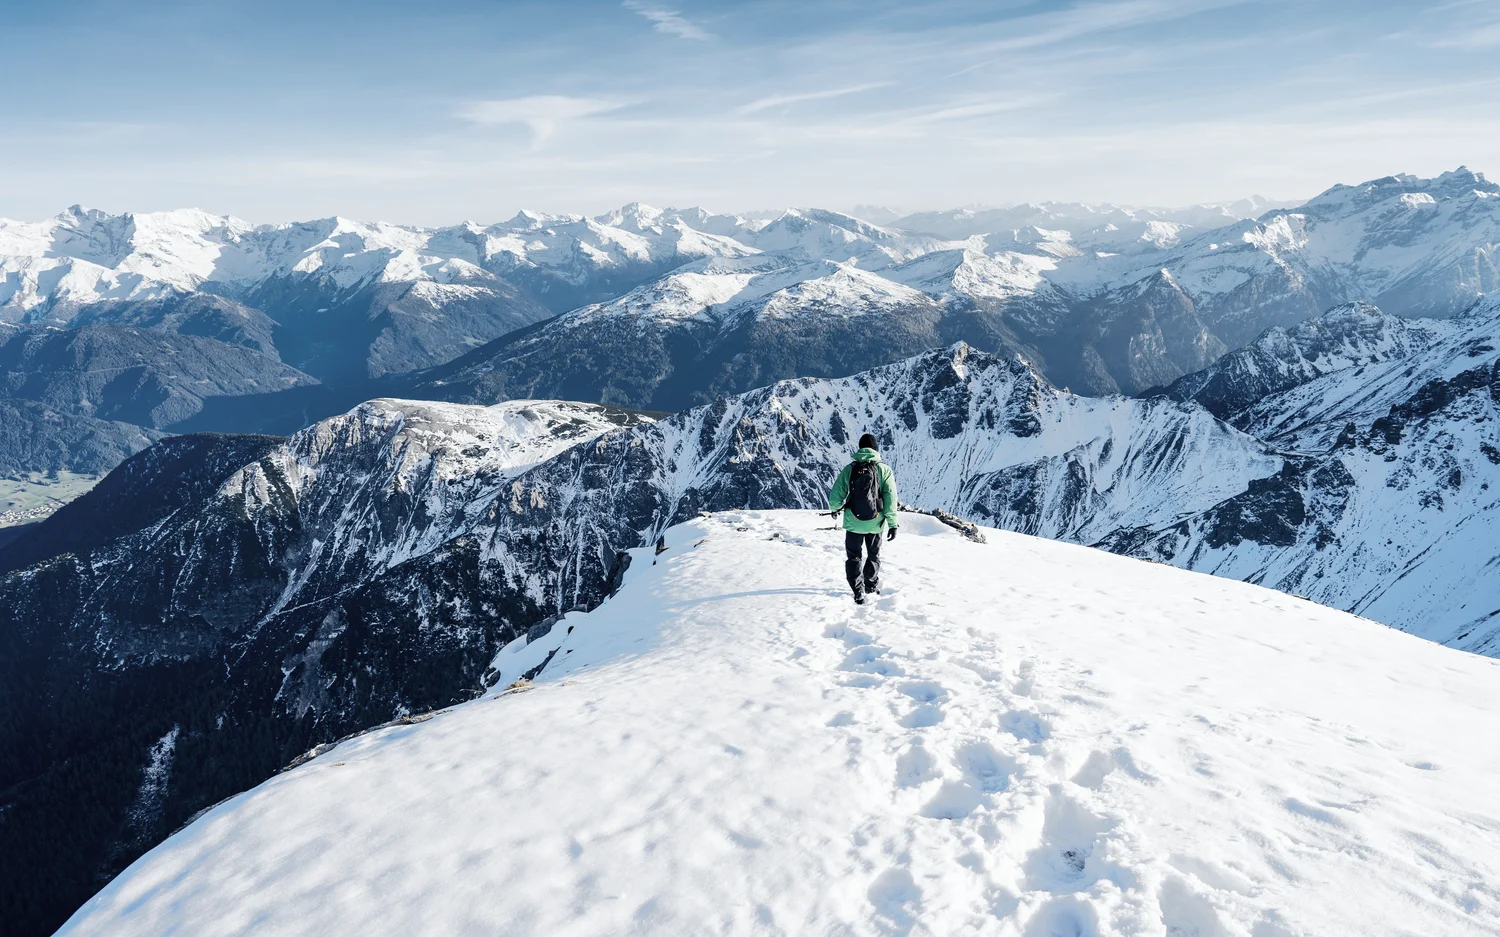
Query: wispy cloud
[[670, 22], [542, 113], [780, 100], [980, 108], [1481, 37], [85, 132], [1062, 28], [1089, 18]]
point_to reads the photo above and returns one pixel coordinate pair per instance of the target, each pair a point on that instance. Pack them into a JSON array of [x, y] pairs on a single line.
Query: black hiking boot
[[872, 588], [859, 599]]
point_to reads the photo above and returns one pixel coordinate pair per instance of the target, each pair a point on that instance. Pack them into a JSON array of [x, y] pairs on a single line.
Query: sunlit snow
[[1020, 737]]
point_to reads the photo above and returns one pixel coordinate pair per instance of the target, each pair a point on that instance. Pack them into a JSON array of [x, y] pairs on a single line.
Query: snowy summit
[[1019, 737]]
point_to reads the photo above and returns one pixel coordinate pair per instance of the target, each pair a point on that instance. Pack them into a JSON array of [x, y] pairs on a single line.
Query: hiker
[[865, 492]]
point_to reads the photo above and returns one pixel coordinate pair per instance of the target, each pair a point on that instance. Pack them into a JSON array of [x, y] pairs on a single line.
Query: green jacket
[[840, 493]]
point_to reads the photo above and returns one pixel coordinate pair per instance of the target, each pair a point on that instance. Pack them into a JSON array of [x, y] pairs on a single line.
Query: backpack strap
[[850, 470]]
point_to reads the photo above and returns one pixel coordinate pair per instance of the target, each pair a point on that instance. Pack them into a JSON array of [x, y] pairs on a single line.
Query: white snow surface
[[1021, 737]]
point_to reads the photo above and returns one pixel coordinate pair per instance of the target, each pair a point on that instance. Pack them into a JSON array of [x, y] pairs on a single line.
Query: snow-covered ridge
[[1020, 737], [449, 462], [459, 440], [1367, 380], [1414, 246], [1345, 337]]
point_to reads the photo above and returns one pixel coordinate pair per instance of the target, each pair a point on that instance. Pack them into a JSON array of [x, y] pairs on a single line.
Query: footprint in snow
[[954, 801], [1100, 765], [850, 636], [1026, 726], [923, 716], [871, 659], [1067, 859], [1185, 911], [915, 766], [923, 691], [894, 895], [985, 767], [1066, 916]]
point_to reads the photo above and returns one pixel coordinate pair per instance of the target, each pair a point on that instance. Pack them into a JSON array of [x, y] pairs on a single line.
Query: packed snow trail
[[1021, 737]]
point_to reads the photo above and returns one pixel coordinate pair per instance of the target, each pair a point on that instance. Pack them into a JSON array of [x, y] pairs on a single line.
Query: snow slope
[[1406, 355], [1020, 737], [1246, 384], [1385, 505]]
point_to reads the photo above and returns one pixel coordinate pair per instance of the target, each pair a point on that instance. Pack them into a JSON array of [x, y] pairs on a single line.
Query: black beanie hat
[[868, 441]]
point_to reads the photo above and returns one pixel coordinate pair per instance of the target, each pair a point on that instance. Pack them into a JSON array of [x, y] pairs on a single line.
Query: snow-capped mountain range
[[1101, 298], [1095, 319]]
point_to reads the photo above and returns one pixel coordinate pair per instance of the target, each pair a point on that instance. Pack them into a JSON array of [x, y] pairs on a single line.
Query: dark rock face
[[36, 438], [1135, 338], [147, 377], [341, 334], [1271, 511], [202, 315], [144, 489], [683, 365]]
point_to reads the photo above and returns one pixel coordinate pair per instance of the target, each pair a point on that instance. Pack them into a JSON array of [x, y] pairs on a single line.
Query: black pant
[[853, 542]]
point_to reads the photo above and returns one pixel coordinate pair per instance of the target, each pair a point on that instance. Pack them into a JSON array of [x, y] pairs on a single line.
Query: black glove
[[890, 534]]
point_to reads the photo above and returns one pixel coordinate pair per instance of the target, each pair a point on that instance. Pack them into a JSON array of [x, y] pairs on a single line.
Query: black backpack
[[864, 491]]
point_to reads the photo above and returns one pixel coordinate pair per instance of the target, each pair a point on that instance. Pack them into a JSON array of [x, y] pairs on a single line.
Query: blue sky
[[442, 111]]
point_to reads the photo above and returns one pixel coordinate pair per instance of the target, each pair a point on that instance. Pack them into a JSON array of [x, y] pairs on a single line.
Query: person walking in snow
[[865, 492]]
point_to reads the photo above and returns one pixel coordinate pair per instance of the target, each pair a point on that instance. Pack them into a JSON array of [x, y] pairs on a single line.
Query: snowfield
[[1020, 737]]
